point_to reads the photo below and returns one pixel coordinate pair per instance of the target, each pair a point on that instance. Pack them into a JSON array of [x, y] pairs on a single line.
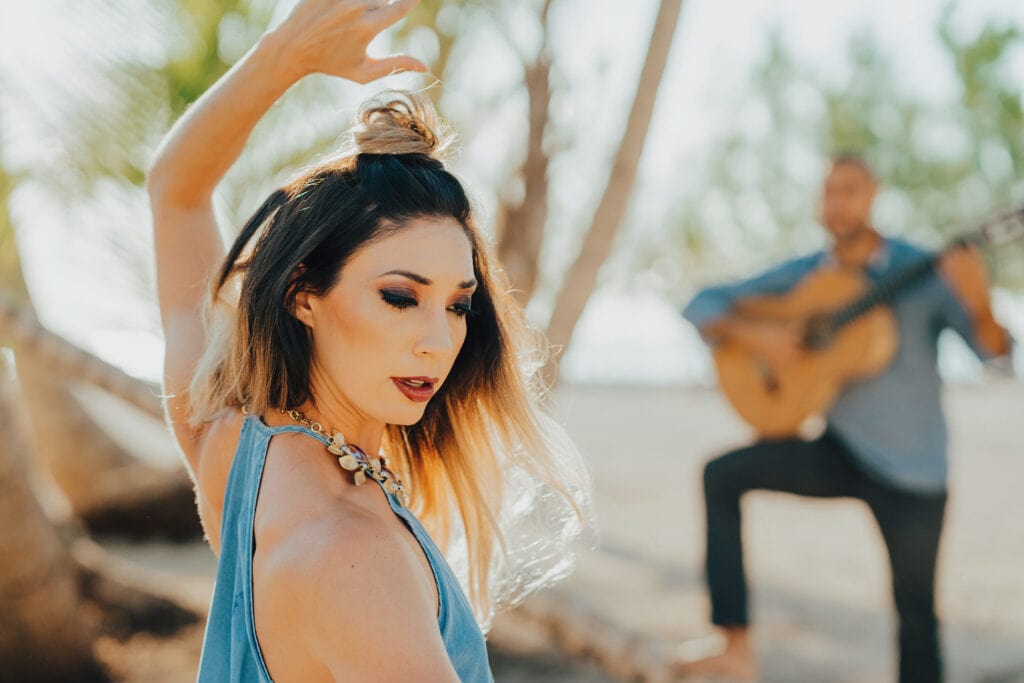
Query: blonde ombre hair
[[495, 479]]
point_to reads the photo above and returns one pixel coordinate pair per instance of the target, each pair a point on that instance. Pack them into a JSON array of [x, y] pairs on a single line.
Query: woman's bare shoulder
[[213, 464], [332, 585]]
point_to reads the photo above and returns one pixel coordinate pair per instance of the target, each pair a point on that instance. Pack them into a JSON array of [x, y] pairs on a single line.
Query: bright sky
[[599, 46]]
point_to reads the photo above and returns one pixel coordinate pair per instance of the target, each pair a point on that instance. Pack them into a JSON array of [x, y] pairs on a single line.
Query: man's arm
[[969, 310], [710, 310], [713, 303]]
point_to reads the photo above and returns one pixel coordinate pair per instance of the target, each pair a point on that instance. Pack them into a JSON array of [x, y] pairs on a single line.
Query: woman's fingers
[[331, 36], [371, 69], [390, 13]]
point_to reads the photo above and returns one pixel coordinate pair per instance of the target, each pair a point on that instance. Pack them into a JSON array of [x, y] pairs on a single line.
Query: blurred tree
[[581, 278], [104, 142], [12, 280], [108, 139], [992, 108], [944, 163], [52, 612], [58, 589], [66, 440], [44, 633], [442, 20], [521, 226]]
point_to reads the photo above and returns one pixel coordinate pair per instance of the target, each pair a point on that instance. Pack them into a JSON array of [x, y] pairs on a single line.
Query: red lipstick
[[418, 389]]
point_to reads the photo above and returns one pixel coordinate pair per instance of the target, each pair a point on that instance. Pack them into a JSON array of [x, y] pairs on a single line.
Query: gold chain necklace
[[354, 459]]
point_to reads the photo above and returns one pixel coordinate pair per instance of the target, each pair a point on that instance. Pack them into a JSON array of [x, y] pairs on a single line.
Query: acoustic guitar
[[847, 333]]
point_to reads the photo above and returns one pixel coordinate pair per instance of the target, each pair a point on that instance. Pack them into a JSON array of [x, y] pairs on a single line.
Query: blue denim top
[[231, 652], [892, 422]]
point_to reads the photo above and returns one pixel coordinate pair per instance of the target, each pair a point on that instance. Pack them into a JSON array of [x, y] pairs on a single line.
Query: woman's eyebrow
[[416, 277]]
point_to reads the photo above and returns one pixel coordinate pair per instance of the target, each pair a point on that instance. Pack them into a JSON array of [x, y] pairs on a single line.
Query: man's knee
[[720, 475]]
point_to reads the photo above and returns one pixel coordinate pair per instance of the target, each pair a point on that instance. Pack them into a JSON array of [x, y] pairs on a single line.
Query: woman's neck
[[335, 416]]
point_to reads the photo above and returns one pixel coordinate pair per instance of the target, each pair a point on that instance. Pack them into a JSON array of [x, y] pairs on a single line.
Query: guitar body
[[776, 399]]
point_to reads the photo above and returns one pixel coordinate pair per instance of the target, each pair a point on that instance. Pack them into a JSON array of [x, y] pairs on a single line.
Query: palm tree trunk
[[581, 279], [522, 227]]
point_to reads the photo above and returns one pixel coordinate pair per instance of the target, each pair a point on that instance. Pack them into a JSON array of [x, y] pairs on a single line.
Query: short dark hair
[[853, 159]]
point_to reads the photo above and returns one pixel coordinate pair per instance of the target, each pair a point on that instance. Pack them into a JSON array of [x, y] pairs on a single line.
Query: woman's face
[[386, 335]]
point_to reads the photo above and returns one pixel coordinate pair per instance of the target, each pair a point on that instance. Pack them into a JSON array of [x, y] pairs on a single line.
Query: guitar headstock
[[1002, 228]]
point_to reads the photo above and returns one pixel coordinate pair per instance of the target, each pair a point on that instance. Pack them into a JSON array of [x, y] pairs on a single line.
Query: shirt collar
[[878, 263]]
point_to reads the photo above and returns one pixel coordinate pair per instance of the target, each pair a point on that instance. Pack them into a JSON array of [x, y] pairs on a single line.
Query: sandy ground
[[818, 569]]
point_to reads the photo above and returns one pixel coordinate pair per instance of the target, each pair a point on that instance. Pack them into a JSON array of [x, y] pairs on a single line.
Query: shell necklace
[[354, 459]]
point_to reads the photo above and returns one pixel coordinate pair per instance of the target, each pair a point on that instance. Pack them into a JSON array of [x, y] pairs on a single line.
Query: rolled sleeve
[[708, 305], [712, 303]]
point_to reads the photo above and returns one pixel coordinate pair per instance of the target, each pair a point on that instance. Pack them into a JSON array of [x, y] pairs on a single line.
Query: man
[[885, 441]]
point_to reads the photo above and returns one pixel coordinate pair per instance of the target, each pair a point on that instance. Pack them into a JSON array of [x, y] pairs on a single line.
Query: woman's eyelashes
[[403, 299], [398, 299], [463, 308]]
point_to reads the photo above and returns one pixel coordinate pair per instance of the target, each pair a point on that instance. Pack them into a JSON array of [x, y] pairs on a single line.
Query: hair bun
[[399, 122]]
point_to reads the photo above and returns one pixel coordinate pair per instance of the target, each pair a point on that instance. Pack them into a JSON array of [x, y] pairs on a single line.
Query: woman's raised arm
[[326, 36]]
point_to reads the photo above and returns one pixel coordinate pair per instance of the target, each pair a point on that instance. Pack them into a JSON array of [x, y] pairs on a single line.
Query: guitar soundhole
[[768, 376], [818, 332]]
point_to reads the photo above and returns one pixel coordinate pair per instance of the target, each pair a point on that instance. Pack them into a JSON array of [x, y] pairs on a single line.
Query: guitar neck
[[886, 290], [998, 230]]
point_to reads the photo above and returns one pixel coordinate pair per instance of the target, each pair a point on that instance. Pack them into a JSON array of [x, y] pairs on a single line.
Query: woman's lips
[[418, 389]]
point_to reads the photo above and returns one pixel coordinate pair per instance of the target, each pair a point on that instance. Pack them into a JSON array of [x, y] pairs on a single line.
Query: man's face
[[846, 200]]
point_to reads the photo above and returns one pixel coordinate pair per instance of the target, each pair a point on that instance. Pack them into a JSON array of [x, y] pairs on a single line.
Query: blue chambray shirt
[[893, 422]]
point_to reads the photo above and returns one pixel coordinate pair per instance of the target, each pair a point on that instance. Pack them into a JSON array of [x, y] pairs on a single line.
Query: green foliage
[[944, 164], [105, 122], [200, 61]]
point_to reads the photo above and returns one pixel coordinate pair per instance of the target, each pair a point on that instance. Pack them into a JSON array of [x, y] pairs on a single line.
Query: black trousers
[[911, 525]]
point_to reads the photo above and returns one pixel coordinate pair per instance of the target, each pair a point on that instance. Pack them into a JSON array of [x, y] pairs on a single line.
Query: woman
[[355, 312]]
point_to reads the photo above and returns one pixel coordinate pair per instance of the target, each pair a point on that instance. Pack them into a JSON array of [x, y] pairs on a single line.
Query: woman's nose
[[436, 335]]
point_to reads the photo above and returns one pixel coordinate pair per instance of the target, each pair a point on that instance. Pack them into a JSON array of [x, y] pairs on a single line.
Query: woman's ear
[[302, 308], [300, 303]]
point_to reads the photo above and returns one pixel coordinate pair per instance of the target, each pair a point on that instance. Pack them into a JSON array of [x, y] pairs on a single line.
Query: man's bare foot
[[707, 657]]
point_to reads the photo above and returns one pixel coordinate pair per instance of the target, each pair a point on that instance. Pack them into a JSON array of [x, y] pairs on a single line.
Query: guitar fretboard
[[998, 230], [883, 292]]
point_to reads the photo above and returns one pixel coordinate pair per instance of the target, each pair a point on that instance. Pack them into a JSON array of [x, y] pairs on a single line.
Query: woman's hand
[[331, 36], [328, 36]]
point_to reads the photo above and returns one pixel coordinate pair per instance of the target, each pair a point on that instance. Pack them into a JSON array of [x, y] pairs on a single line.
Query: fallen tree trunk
[[60, 595], [44, 632], [111, 490], [581, 632], [24, 331], [130, 602], [108, 488]]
